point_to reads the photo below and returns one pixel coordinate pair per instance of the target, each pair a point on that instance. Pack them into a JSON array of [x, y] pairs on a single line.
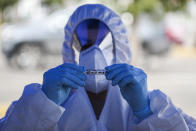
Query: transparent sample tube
[[95, 72]]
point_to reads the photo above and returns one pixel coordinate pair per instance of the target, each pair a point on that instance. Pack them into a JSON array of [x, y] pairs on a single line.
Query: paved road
[[177, 78], [174, 76]]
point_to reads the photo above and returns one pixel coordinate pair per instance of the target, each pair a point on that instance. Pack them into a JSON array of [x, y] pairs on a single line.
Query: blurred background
[[162, 35]]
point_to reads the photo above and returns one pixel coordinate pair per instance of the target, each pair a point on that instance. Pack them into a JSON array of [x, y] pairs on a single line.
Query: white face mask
[[93, 58], [106, 47]]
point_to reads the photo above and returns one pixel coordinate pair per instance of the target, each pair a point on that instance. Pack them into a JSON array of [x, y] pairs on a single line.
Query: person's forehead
[[91, 24], [91, 31]]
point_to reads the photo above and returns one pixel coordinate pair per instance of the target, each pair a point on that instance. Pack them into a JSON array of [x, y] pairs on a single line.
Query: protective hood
[[121, 45]]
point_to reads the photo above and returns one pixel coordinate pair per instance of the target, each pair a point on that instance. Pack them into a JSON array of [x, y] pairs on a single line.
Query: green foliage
[[6, 3], [52, 2], [140, 6], [173, 5], [150, 6]]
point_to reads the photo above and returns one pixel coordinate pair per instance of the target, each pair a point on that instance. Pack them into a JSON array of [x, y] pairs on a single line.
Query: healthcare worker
[[95, 89]]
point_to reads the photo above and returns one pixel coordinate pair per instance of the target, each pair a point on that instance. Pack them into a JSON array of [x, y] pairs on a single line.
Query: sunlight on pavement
[[186, 52], [3, 109]]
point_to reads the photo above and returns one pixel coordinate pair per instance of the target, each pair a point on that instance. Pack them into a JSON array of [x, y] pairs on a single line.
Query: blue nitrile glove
[[58, 81], [133, 86]]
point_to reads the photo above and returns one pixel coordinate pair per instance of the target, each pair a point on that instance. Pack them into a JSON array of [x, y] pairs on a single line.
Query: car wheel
[[27, 56]]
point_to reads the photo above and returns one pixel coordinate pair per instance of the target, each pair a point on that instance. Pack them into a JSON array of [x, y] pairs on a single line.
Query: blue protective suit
[[35, 112]]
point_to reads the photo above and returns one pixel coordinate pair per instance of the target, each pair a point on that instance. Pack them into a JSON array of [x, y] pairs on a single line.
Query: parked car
[[153, 40], [152, 36], [26, 44]]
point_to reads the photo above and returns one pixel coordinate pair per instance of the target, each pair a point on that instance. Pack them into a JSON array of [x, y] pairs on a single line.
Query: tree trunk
[[135, 46], [1, 16]]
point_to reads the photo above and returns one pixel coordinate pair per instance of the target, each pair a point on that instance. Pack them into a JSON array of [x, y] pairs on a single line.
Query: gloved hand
[[133, 86], [58, 81]]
